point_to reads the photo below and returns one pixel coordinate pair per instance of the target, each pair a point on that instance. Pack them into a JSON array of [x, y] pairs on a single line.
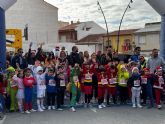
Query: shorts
[[20, 94], [40, 93]]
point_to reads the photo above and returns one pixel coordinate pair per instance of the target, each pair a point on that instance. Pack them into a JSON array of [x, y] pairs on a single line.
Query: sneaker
[[73, 109], [40, 110], [139, 106], [59, 109], [100, 107], [103, 105], [133, 106], [85, 105], [53, 107], [43, 107], [27, 112], [159, 106], [49, 107], [33, 110], [22, 112], [90, 105]]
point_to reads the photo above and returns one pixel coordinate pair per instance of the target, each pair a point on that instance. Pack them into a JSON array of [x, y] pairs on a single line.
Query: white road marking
[[94, 109], [1, 121]]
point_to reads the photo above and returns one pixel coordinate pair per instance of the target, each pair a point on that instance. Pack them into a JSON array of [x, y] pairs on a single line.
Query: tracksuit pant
[[28, 98], [158, 96], [136, 95]]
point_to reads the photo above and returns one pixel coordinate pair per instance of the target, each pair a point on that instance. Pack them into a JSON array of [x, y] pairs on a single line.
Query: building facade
[[148, 37], [79, 30], [126, 41], [40, 17]]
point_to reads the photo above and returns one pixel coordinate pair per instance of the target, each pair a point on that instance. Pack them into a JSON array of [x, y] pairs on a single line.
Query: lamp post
[[105, 22], [118, 37]]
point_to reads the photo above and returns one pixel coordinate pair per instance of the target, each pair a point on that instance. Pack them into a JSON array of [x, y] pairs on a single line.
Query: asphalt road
[[110, 115]]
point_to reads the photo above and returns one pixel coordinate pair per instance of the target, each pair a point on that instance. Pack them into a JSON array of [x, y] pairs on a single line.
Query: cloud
[[87, 10]]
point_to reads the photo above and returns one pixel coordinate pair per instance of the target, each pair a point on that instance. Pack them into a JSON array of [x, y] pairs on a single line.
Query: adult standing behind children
[[155, 61]]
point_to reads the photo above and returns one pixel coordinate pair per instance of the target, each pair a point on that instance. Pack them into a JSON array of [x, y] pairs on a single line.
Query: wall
[[41, 17], [95, 29], [151, 41]]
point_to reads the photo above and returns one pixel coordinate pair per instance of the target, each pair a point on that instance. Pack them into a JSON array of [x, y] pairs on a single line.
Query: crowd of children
[[89, 84]]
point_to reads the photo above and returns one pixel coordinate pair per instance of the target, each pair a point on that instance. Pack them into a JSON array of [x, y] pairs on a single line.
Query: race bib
[[42, 87], [88, 76], [52, 83], [30, 81], [104, 81], [112, 81], [144, 80], [62, 83], [123, 81], [161, 81], [136, 83]]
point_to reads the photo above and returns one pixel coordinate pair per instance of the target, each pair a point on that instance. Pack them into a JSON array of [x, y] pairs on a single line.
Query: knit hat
[[10, 69], [39, 68], [146, 69], [158, 68], [134, 68]]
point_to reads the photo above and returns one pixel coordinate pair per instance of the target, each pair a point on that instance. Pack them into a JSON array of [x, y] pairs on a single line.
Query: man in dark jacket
[[19, 61], [74, 57]]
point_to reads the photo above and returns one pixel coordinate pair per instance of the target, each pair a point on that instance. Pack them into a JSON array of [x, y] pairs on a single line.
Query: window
[[142, 39]]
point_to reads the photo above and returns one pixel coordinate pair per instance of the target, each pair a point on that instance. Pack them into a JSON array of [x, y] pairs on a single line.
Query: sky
[[87, 10]]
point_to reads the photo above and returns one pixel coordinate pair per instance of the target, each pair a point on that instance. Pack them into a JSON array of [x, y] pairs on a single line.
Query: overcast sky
[[87, 10]]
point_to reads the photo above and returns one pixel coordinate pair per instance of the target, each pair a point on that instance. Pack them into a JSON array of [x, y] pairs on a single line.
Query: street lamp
[[105, 22], [118, 38]]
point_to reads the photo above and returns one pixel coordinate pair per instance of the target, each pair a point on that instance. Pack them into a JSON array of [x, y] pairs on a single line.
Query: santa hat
[[134, 68], [146, 69], [158, 68]]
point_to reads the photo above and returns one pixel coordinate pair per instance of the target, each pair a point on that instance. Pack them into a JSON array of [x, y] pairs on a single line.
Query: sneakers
[[53, 107], [22, 112], [73, 109], [27, 112], [49, 107], [59, 109], [90, 105], [33, 110], [85, 105], [133, 106], [159, 106], [43, 107], [40, 109], [100, 107], [103, 105], [139, 106]]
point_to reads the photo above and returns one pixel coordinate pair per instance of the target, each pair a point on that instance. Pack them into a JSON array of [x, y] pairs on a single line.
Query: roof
[[50, 4], [122, 32], [69, 27], [91, 39], [149, 29]]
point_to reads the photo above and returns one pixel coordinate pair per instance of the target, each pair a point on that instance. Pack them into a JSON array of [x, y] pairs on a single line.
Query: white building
[[81, 32], [148, 37], [41, 18]]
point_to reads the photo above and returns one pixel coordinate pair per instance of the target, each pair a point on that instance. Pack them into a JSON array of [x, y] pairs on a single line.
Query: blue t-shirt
[[135, 58], [51, 84]]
